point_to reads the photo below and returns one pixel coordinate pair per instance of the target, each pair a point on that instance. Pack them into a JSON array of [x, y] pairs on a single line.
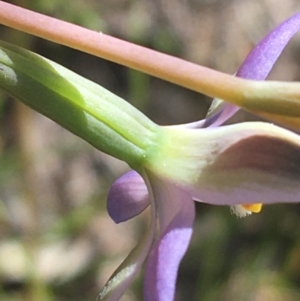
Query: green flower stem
[[98, 116]]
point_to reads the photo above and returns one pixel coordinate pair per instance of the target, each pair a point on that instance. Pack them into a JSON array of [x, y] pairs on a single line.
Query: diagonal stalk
[[175, 70]]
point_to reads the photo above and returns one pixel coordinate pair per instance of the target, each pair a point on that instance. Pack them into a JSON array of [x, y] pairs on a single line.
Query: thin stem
[[175, 70]]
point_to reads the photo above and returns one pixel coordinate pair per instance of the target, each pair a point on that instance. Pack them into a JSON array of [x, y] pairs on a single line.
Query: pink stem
[[175, 70]]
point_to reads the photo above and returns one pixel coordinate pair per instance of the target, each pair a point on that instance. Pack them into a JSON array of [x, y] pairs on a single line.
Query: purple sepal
[[176, 214], [257, 65], [261, 59]]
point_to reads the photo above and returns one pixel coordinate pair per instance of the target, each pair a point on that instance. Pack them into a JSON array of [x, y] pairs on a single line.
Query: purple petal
[[257, 65], [176, 216], [128, 197], [250, 162]]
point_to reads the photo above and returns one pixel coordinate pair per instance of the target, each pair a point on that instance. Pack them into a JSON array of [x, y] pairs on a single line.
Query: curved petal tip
[[127, 197]]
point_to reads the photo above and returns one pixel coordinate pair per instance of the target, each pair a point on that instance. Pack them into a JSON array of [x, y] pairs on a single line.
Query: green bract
[[91, 112]]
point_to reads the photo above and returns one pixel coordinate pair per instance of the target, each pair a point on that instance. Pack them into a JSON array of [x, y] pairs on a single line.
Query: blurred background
[[57, 241]]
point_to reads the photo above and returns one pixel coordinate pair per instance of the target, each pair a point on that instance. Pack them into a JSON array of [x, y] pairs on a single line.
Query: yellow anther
[[253, 207]]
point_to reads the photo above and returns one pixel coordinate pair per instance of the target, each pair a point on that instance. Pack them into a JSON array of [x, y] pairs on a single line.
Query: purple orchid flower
[[238, 164]]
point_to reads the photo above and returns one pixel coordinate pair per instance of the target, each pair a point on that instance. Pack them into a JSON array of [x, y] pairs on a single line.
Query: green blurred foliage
[[56, 239]]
